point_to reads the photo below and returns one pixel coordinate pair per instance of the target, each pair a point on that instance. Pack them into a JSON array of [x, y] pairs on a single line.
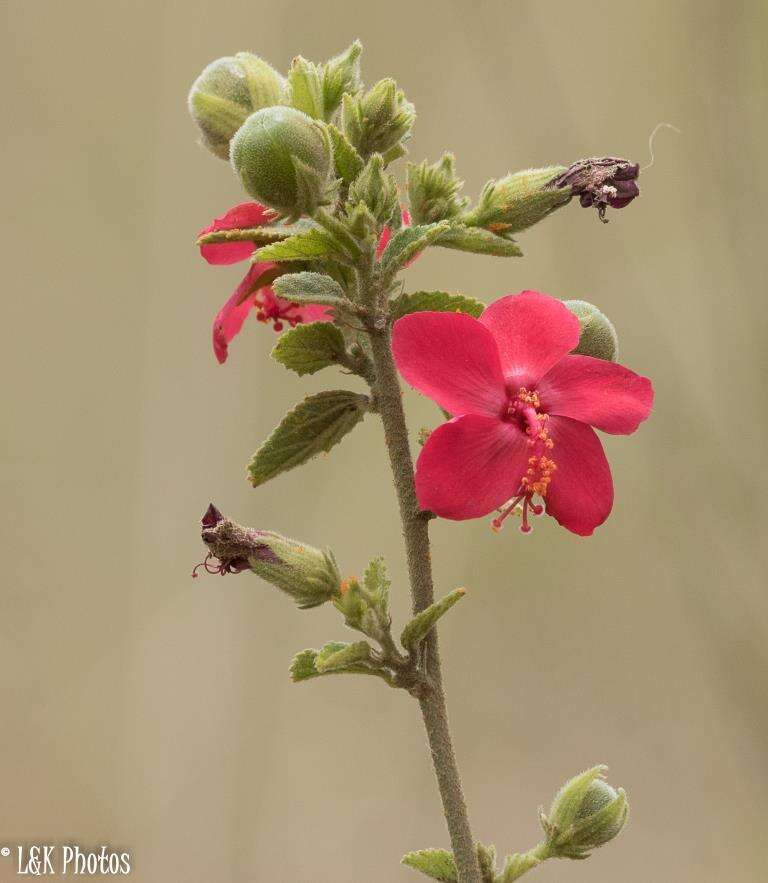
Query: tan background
[[152, 712]]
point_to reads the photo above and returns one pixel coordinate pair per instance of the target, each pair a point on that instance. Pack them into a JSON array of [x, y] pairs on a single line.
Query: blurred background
[[152, 712]]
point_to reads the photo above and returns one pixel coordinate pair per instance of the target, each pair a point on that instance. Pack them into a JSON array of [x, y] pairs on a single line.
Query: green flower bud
[[518, 201], [433, 191], [310, 576], [341, 75], [284, 159], [375, 189], [598, 336], [227, 92], [586, 813], [379, 121]]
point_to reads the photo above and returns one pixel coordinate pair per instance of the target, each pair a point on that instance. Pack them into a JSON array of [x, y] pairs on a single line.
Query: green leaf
[[309, 288], [421, 624], [306, 88], [516, 865], [407, 243], [310, 245], [377, 584], [306, 349], [312, 427], [304, 664], [348, 161], [435, 863], [257, 235], [439, 301], [478, 241], [337, 657]]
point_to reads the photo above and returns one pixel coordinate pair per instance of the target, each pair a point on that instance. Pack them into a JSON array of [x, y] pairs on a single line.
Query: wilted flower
[[601, 182]]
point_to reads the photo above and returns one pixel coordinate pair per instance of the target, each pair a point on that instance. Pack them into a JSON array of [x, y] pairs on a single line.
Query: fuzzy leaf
[[257, 235], [312, 427], [421, 624], [407, 243], [309, 245], [478, 241], [377, 583], [306, 88], [306, 349], [348, 161], [341, 75], [486, 858], [304, 664], [338, 657], [309, 288], [435, 863], [439, 301]]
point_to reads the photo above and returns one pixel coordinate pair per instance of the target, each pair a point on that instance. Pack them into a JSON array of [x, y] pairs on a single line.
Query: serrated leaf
[[407, 243], [337, 657], [309, 288], [377, 584], [421, 624], [435, 863], [306, 349], [314, 426], [439, 301], [478, 241], [309, 245]]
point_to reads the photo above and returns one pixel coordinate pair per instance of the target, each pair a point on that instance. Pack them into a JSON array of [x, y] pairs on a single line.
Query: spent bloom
[[523, 411], [254, 292]]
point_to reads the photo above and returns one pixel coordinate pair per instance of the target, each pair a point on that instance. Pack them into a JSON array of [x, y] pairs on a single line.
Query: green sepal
[[346, 158], [421, 624], [314, 426], [307, 349], [309, 245], [305, 82], [438, 301], [478, 241], [377, 585], [309, 288], [438, 864], [407, 243], [341, 75]]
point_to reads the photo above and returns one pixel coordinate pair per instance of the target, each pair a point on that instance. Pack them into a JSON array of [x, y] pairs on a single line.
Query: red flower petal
[[386, 235], [452, 359], [229, 320], [471, 466], [533, 332], [580, 496], [242, 216], [606, 395]]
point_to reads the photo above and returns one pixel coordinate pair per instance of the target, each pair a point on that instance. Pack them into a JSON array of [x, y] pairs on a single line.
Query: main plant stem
[[416, 534]]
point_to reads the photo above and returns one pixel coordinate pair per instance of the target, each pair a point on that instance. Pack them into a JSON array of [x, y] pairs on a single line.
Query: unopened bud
[[341, 75], [310, 576], [227, 92], [586, 813], [601, 182], [379, 121], [433, 191], [598, 336], [376, 189], [284, 160]]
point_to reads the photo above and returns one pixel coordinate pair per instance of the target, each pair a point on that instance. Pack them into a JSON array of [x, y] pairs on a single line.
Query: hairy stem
[[416, 534]]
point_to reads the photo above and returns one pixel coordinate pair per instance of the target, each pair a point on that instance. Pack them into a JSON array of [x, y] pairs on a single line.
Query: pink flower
[[254, 291], [523, 412]]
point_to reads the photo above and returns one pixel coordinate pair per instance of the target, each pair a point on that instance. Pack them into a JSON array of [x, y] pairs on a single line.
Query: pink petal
[[229, 320], [386, 235], [580, 495], [243, 216], [606, 395], [533, 332], [470, 466], [452, 359]]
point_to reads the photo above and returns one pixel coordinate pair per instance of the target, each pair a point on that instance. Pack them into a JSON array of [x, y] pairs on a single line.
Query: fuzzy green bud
[[433, 191], [376, 189], [341, 75], [586, 813], [309, 575], [227, 92], [378, 121], [284, 159], [598, 336], [518, 201]]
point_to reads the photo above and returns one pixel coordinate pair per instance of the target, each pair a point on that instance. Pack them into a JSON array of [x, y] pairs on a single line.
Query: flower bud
[[227, 92], [586, 813], [379, 121], [376, 189], [433, 191], [284, 160], [310, 576], [516, 202], [601, 182], [598, 336]]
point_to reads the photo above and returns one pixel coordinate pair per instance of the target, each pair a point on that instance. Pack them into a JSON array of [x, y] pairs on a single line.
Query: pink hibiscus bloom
[[247, 296], [523, 411]]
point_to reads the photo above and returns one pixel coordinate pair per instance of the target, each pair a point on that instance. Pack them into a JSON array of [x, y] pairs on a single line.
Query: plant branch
[[416, 534]]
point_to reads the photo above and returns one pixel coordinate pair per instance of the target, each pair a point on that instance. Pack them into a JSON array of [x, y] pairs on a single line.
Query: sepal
[[598, 337], [421, 624], [305, 88]]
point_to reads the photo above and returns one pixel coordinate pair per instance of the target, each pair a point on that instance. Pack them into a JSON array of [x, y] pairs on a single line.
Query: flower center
[[524, 408], [272, 309]]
